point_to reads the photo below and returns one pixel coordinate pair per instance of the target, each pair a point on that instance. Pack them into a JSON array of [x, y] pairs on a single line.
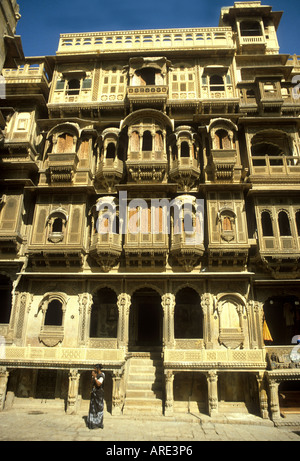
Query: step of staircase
[[144, 393]]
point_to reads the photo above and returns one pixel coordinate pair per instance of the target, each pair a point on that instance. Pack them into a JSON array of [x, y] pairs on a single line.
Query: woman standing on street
[[95, 416]]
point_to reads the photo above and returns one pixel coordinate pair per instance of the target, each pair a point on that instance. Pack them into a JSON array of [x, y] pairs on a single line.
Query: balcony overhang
[[14, 51]]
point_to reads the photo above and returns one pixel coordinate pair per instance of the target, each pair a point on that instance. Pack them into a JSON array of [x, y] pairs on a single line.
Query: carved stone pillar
[[117, 393], [263, 397], [85, 307], [74, 377], [207, 308], [123, 304], [212, 384], [256, 316], [4, 374], [169, 379], [259, 318], [274, 400], [168, 304]]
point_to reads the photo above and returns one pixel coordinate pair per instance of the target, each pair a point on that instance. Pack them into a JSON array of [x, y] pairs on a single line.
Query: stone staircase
[[144, 394]]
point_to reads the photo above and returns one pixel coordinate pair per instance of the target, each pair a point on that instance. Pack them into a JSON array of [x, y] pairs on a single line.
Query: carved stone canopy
[[159, 63]]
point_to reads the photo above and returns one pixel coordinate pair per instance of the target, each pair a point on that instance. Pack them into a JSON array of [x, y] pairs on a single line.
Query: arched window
[[251, 29], [6, 299], [73, 87], [188, 220], [147, 141], [54, 313], [64, 143], [159, 143], [135, 141], [222, 140], [227, 225], [174, 152], [284, 224], [217, 83], [266, 224], [188, 316], [57, 225], [111, 150], [184, 149]]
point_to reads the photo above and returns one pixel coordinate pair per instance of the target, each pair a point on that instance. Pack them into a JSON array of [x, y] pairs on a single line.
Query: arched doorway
[[6, 299], [289, 397], [145, 320], [104, 314], [188, 316]]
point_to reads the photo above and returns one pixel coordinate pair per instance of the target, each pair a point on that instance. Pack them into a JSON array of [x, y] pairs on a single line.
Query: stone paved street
[[35, 425]]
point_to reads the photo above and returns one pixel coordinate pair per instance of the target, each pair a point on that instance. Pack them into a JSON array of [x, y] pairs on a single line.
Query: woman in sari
[[95, 416]]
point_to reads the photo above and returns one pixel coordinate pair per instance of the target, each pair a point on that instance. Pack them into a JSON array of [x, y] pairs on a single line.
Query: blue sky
[[42, 20]]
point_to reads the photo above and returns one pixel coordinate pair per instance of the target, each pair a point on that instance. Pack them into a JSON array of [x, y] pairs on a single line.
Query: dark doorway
[[282, 317], [289, 397], [5, 299], [145, 320]]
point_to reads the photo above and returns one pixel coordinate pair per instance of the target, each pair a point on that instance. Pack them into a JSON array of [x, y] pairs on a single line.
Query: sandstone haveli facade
[[181, 321]]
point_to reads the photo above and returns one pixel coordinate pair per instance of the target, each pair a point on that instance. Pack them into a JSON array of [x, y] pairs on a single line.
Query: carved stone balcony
[[185, 171], [272, 169], [187, 250], [62, 167], [147, 167], [10, 243], [228, 256], [146, 250], [34, 75], [147, 94], [252, 44], [61, 256], [18, 159], [106, 250], [223, 166], [280, 256], [51, 336], [110, 172]]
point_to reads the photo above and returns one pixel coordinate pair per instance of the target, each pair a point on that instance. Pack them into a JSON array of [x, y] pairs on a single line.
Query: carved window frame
[[58, 213], [52, 335]]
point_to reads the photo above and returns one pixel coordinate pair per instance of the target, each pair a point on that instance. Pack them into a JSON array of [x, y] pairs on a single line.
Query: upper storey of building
[[247, 27], [10, 44]]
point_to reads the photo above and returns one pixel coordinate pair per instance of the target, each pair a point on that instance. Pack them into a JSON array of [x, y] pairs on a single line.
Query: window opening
[[54, 313], [147, 141], [284, 224], [74, 87], [266, 223], [185, 149], [217, 83]]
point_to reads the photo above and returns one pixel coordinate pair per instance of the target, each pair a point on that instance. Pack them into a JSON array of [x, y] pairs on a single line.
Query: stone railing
[[58, 356], [139, 93], [125, 41], [275, 165], [252, 40], [294, 60], [29, 72], [223, 358]]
